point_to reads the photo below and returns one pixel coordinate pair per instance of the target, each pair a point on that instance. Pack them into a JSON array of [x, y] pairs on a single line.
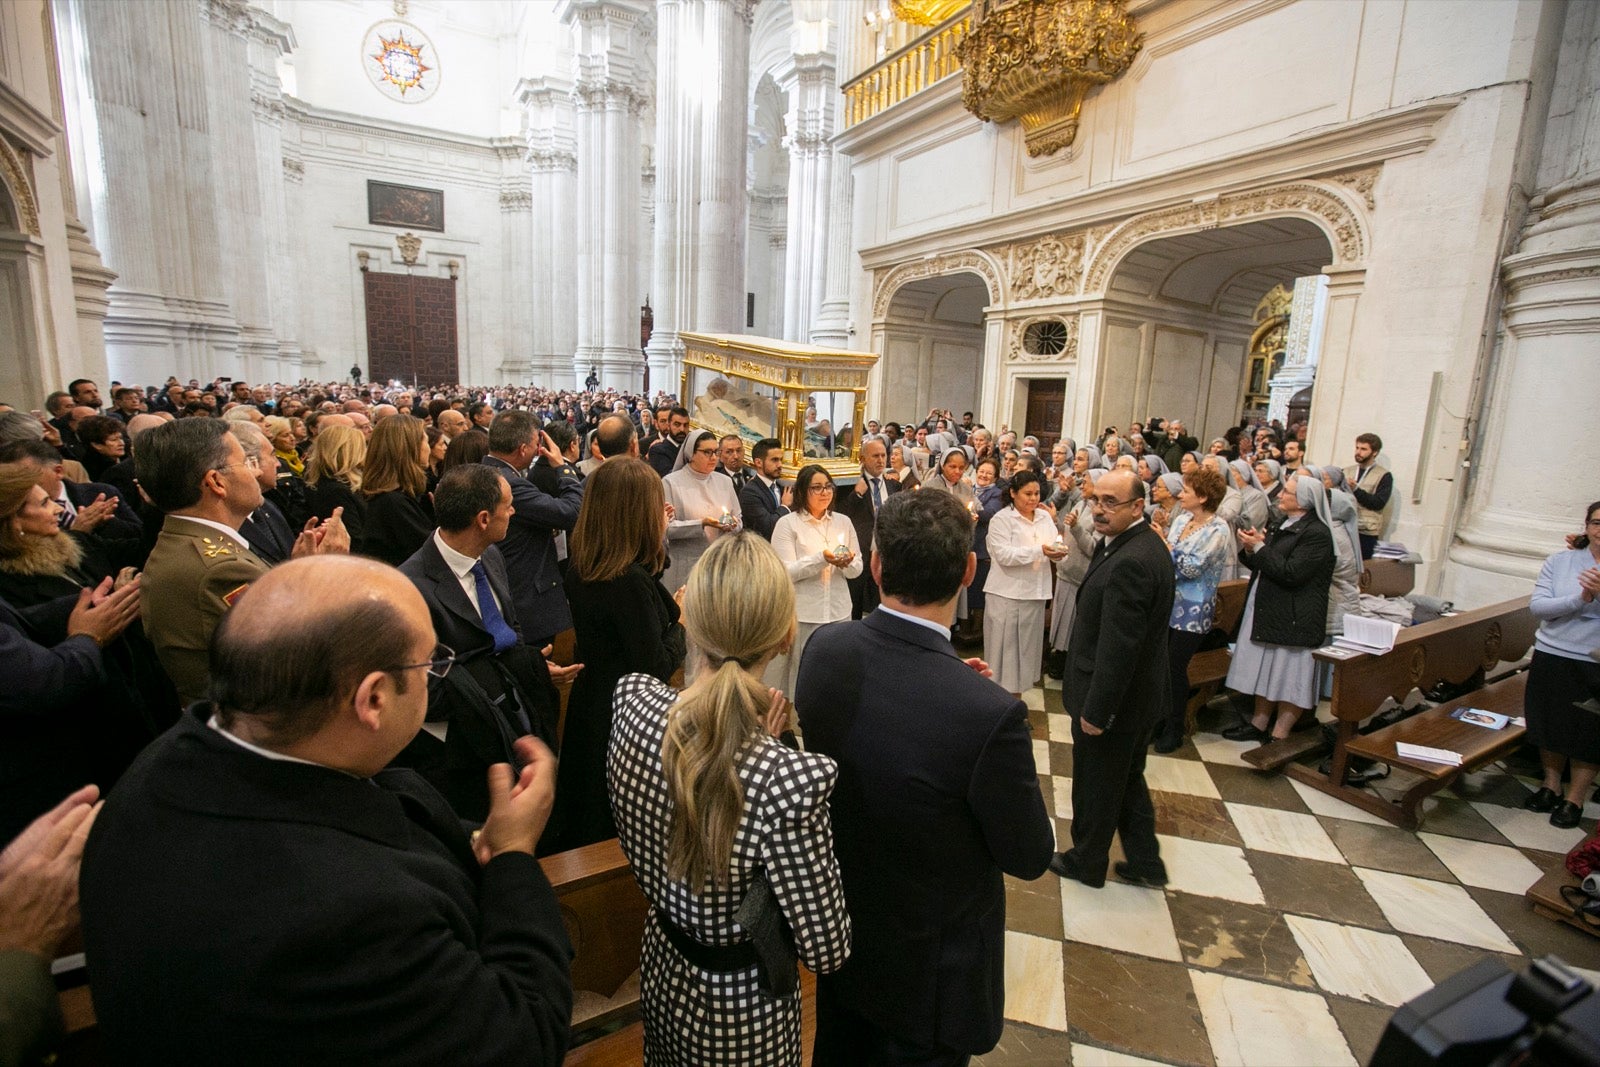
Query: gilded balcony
[[904, 73]]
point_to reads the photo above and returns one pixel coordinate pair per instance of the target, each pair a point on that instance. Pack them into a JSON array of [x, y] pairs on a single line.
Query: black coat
[[479, 694], [937, 796], [625, 626], [245, 910], [757, 508], [269, 533], [331, 493], [530, 549], [396, 525], [1292, 574], [858, 509], [1116, 675]]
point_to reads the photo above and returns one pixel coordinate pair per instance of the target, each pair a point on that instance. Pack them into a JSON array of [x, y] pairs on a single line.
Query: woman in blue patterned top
[[1199, 541]]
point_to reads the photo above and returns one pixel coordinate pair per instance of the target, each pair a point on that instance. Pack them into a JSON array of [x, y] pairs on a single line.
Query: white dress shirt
[[820, 592], [1018, 569], [229, 530]]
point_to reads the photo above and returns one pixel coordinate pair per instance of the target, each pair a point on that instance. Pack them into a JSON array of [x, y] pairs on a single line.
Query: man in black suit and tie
[[1115, 688], [861, 506], [500, 689], [762, 501], [937, 797]]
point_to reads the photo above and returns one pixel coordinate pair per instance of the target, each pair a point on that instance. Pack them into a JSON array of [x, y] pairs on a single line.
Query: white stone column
[[1308, 313], [549, 287], [269, 39], [810, 82], [702, 80]]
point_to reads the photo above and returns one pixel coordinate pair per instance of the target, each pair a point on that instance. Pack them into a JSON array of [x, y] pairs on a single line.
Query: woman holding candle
[[705, 505], [818, 546], [1023, 545]]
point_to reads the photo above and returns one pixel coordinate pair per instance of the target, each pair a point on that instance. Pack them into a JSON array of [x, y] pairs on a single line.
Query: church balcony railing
[[906, 72]]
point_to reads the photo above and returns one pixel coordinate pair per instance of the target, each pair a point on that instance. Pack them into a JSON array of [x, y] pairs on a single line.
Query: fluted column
[[549, 287], [269, 40], [702, 82], [809, 81], [832, 324]]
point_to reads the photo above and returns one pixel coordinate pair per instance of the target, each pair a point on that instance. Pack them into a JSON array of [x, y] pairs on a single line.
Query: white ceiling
[[1227, 270]]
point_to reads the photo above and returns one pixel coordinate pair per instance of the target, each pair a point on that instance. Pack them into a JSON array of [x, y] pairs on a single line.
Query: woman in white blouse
[[1023, 546], [820, 550], [704, 504]]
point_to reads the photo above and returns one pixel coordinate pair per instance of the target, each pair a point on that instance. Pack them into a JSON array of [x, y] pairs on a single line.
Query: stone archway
[[985, 266]]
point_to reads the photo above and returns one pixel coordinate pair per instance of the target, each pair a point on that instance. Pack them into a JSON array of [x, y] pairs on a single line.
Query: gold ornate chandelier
[[1035, 60]]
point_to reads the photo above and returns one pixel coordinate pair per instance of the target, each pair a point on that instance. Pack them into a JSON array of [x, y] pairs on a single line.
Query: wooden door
[[1047, 406], [411, 329]]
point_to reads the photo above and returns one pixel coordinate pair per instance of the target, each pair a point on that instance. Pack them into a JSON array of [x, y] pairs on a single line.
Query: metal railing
[[906, 72]]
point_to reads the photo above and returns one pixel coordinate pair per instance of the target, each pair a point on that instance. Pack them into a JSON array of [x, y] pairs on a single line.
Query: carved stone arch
[[971, 261], [14, 176], [1328, 206]]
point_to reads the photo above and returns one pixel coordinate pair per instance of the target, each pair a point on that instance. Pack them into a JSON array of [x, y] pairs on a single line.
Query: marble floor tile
[[1433, 909], [1528, 829], [1249, 786], [1457, 818], [1483, 865], [1090, 1056], [1324, 890], [1033, 699], [1196, 818], [1034, 907], [1060, 728], [1251, 1023], [1363, 1024], [1061, 795], [1027, 1046], [1060, 758], [1491, 785], [1384, 848], [1140, 1007], [1535, 935], [1288, 833], [1036, 992], [1354, 962], [1218, 750], [1240, 939], [1209, 870], [1445, 959], [1125, 917], [1331, 807], [1041, 756], [1051, 683], [1052, 699], [1172, 775]]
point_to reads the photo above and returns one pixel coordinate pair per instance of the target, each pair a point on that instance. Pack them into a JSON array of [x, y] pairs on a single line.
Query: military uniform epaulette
[[217, 548]]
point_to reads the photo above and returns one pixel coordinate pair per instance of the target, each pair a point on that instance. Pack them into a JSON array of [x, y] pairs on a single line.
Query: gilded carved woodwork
[[1036, 60], [14, 175], [925, 12]]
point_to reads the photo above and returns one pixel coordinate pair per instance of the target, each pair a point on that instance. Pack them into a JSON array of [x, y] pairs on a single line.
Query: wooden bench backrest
[[604, 912], [1455, 649], [1230, 605]]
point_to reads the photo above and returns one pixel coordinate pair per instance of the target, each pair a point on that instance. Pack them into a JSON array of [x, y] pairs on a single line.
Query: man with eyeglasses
[[1115, 688], [260, 889]]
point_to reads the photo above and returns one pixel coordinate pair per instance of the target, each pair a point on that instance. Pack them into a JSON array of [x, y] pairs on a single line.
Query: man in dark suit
[[1116, 688], [500, 689], [762, 501], [663, 453], [861, 506], [334, 910], [529, 548], [937, 797]]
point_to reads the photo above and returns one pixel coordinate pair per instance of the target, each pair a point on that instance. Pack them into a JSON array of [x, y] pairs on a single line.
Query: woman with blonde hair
[[280, 431], [333, 477], [625, 623], [394, 482], [720, 820]]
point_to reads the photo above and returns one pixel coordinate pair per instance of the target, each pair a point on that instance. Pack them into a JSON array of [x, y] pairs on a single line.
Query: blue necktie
[[494, 622], [877, 494]]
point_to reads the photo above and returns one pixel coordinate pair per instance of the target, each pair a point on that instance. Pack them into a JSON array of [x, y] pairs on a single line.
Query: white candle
[[727, 516]]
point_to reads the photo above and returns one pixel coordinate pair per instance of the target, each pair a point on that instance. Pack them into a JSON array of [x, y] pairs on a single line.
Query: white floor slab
[[1033, 699], [1529, 829], [1127, 918], [1251, 1023], [1214, 748], [1089, 1056], [1321, 803], [1062, 790], [1209, 870], [1172, 775], [1356, 962], [1486, 866], [1060, 727], [1041, 756], [1036, 991], [1287, 833], [1433, 909]]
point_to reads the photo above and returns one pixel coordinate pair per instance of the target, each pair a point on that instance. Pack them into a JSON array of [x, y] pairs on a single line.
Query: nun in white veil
[[705, 505]]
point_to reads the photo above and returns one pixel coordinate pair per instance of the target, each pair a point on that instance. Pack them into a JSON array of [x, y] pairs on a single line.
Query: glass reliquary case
[[812, 399]]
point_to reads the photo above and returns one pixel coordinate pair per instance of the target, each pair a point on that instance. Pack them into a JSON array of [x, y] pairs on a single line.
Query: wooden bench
[[1208, 669], [1459, 649], [1545, 896]]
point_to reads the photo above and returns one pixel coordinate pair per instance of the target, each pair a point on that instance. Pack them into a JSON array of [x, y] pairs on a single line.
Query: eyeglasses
[[249, 461], [1103, 503], [443, 658], [820, 490], [705, 451]]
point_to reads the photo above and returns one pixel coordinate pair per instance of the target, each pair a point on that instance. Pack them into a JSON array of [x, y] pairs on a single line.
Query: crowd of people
[[234, 610]]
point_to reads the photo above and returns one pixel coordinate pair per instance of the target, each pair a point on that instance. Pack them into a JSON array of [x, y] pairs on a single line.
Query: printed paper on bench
[[1489, 720], [1368, 635], [1426, 754]]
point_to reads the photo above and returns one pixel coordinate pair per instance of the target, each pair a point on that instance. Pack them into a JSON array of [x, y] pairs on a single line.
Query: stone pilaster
[[810, 82], [1307, 314], [549, 287]]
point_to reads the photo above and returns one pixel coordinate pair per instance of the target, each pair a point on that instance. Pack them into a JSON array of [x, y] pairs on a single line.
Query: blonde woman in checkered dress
[[706, 797]]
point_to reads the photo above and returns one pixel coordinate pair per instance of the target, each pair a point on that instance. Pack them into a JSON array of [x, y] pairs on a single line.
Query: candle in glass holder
[[727, 517], [843, 546], [972, 508]]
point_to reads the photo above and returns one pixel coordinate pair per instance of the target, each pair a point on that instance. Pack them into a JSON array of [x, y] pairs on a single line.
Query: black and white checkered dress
[[694, 1017]]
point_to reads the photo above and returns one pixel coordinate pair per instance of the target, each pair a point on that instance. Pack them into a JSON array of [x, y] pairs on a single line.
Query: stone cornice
[[309, 115], [36, 130]]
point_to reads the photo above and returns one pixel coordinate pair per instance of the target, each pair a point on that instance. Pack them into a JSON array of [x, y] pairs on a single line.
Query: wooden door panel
[[411, 328], [1047, 406]]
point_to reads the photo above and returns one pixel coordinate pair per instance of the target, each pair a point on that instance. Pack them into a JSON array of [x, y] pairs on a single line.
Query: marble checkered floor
[[1293, 924]]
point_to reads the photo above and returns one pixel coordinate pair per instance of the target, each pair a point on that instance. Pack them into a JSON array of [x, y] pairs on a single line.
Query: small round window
[[1045, 338]]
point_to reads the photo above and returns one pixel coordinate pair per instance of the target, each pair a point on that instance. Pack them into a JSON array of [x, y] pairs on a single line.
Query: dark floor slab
[[1321, 890], [1385, 848], [1536, 935], [1363, 1024], [1061, 759], [1038, 725], [1196, 818], [1241, 785], [1022, 1045], [1493, 785], [1139, 1006], [1035, 907], [1545, 861], [1445, 959], [1238, 939], [1457, 818], [1052, 702]]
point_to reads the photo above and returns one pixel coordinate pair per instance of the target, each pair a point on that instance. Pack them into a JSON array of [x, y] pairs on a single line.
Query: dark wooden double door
[[411, 329], [1047, 407]]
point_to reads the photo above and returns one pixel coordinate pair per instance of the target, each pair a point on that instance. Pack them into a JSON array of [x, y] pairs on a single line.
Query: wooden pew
[[1460, 649], [1208, 669]]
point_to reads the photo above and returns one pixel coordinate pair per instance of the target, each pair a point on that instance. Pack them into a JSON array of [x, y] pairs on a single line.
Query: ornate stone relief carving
[[410, 247], [1051, 266], [1017, 352], [516, 200], [15, 176], [1362, 181], [956, 263], [294, 170]]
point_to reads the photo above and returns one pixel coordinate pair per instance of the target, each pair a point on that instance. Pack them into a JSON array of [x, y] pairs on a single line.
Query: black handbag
[[769, 932]]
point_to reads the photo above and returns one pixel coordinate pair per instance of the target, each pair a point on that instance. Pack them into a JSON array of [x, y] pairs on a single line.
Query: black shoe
[[1167, 742], [1566, 815], [1544, 800], [1154, 877], [1246, 732], [1056, 664], [1063, 864]]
